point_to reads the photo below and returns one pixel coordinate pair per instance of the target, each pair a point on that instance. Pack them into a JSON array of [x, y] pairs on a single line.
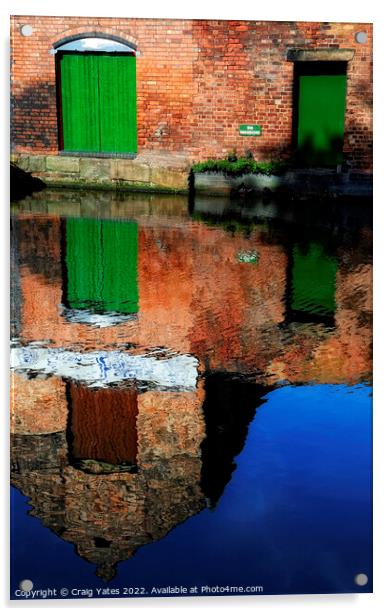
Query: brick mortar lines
[[217, 75]]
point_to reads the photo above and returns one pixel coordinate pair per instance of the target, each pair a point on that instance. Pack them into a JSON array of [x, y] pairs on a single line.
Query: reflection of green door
[[321, 109], [98, 102], [102, 265], [313, 282]]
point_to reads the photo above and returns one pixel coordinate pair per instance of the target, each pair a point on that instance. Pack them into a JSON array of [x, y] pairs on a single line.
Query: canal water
[[191, 395]]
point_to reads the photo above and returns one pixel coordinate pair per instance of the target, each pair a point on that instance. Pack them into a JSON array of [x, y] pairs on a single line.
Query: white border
[[330, 10], [327, 10]]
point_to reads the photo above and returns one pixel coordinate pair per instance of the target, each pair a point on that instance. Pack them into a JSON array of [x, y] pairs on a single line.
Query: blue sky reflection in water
[[294, 518]]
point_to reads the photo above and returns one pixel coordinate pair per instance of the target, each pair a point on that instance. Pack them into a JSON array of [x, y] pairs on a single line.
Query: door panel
[[80, 103], [98, 100], [321, 110], [117, 93]]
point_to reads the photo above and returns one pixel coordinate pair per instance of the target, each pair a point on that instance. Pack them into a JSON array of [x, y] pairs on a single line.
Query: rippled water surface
[[191, 394]]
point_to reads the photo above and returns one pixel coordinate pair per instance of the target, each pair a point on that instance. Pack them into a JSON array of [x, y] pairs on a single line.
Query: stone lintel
[[320, 55]]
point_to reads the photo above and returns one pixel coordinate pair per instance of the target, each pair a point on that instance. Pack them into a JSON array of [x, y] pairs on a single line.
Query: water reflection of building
[[107, 470], [99, 265], [185, 273], [229, 406], [111, 470], [339, 295], [102, 426], [198, 294]]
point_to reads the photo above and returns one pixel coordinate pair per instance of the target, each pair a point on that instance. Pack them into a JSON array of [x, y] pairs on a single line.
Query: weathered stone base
[[303, 183], [148, 172], [170, 173]]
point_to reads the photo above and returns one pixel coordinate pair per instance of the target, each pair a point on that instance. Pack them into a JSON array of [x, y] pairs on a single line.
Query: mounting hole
[[361, 37], [26, 30], [361, 579], [26, 585]]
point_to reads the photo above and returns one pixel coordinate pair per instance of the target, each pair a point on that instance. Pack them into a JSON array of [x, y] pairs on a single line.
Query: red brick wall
[[196, 82]]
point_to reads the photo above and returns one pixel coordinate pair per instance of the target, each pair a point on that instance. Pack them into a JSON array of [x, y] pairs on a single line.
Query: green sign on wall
[[250, 130]]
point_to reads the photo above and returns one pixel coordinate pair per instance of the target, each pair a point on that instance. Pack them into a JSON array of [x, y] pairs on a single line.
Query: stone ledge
[[130, 170], [68, 164], [149, 172], [165, 160], [320, 55], [95, 169], [37, 163], [169, 178]]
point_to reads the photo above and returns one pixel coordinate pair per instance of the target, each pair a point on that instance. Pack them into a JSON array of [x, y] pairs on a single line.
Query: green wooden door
[[98, 100], [321, 109]]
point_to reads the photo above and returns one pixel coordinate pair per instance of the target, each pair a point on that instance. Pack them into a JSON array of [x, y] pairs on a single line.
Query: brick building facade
[[197, 81]]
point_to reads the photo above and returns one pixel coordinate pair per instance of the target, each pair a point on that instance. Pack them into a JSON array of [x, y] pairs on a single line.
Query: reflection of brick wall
[[196, 82], [196, 297], [169, 422], [237, 306], [108, 517], [347, 355], [344, 355], [38, 406]]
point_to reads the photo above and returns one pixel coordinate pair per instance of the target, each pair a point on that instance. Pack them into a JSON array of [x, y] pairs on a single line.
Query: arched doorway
[[96, 94]]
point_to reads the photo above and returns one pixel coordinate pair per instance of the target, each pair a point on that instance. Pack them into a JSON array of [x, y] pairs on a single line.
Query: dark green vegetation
[[240, 166]]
